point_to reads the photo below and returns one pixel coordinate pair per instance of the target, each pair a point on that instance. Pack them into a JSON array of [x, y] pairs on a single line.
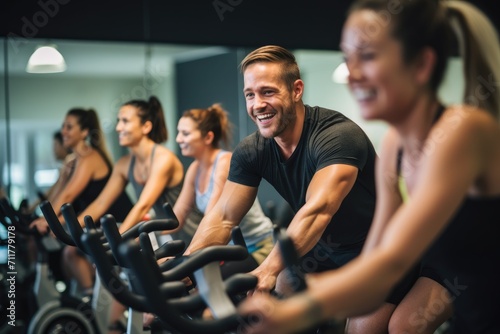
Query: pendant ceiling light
[[340, 74], [46, 59]]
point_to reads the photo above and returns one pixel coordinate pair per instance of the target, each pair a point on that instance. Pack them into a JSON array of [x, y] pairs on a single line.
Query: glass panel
[[104, 75]]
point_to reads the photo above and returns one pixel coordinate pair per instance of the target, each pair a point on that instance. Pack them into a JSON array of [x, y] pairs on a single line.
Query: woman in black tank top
[[90, 169]]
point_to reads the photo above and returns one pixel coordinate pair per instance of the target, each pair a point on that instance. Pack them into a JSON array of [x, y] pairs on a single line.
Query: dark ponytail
[[152, 111], [213, 119]]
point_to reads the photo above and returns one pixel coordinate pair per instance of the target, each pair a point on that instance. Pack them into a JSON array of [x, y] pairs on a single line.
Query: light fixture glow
[[46, 59], [340, 74]]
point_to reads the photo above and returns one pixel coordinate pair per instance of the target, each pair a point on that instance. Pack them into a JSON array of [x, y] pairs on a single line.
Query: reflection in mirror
[[99, 75], [4, 173]]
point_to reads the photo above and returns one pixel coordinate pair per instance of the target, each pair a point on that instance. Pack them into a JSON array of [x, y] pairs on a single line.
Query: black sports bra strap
[[108, 163], [399, 160]]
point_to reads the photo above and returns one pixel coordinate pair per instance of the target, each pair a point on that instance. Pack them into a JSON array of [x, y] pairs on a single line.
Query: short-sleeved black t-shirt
[[328, 138]]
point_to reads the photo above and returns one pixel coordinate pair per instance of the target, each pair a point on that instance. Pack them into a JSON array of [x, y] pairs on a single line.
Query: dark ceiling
[[311, 24]]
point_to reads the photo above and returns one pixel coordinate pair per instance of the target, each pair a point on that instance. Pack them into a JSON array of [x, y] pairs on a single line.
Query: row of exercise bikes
[[128, 270]]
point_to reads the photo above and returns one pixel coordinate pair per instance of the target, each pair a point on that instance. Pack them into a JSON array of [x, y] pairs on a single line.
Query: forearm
[[273, 263], [135, 215], [306, 229], [95, 210], [215, 228], [210, 234], [63, 198], [52, 191]]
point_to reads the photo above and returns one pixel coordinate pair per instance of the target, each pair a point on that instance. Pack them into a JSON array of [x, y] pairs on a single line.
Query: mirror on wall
[[104, 75], [3, 118], [99, 75]]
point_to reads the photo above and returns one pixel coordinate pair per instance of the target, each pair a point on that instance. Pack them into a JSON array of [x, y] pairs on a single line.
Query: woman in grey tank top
[[154, 171], [200, 134]]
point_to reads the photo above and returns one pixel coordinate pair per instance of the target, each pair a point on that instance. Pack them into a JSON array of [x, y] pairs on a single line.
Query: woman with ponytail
[[438, 179], [90, 170], [200, 135], [155, 172]]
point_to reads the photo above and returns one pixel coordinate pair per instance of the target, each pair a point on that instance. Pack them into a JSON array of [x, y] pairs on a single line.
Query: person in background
[[200, 133], [89, 172], [64, 156], [155, 172], [438, 179], [60, 152]]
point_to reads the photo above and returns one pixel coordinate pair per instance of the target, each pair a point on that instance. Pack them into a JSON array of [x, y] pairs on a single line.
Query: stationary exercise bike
[[184, 309], [17, 276], [56, 312], [98, 308], [134, 323], [158, 290]]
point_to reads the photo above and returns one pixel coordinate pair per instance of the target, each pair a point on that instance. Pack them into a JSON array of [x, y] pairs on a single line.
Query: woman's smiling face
[[71, 132], [379, 79], [128, 126], [189, 137]]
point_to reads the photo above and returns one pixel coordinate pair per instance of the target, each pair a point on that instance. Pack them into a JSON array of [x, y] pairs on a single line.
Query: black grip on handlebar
[[291, 261], [146, 246], [55, 225], [205, 256], [169, 211], [89, 223], [158, 225], [110, 228], [112, 280], [237, 237], [108, 224], [149, 226], [169, 311], [170, 248], [74, 227]]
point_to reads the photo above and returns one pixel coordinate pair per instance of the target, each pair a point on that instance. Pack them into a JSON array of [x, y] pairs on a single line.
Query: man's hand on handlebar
[[266, 282]]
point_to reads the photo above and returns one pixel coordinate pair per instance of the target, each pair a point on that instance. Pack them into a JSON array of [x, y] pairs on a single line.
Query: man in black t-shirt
[[320, 161]]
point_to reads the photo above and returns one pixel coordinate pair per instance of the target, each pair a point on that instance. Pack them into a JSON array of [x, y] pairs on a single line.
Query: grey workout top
[[168, 195], [255, 226]]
